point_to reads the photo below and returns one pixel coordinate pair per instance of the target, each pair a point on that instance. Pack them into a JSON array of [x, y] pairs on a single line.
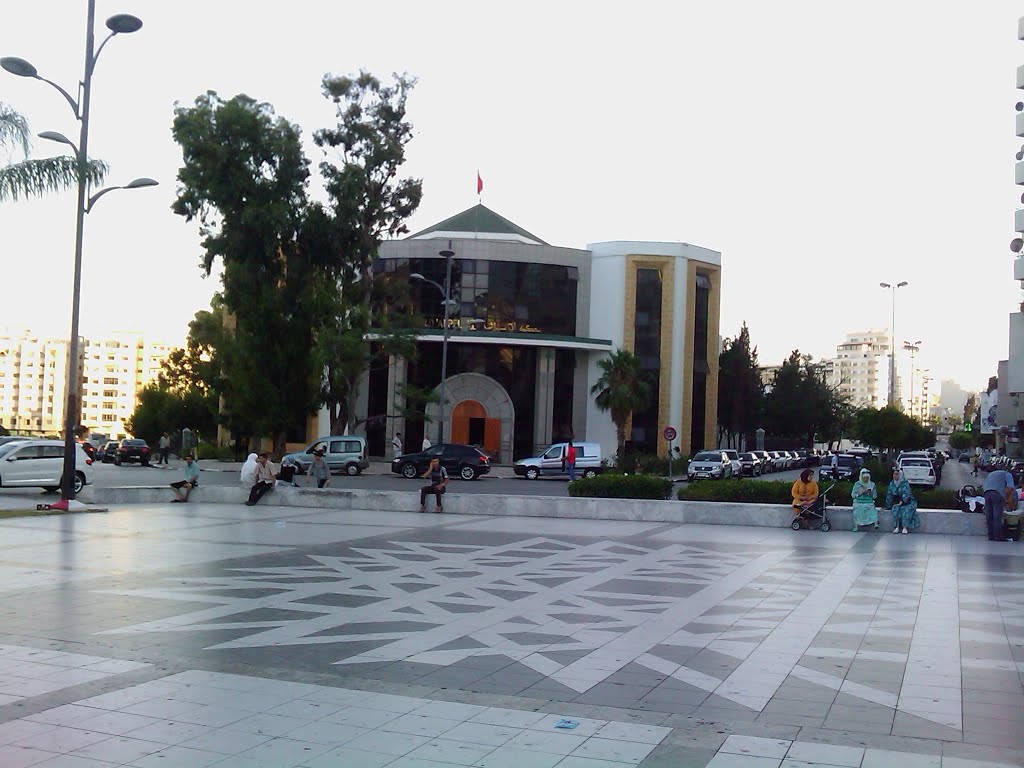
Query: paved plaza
[[268, 637]]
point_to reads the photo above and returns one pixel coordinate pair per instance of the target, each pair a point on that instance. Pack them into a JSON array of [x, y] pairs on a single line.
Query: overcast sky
[[822, 147]]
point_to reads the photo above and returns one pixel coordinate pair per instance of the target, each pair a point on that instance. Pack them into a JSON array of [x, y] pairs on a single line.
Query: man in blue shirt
[[183, 488], [998, 485]]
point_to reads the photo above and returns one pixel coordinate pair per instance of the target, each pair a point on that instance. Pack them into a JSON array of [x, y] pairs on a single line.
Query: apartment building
[[860, 369], [113, 372]]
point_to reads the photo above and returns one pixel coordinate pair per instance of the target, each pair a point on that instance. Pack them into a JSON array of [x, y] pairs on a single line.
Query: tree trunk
[[280, 440]]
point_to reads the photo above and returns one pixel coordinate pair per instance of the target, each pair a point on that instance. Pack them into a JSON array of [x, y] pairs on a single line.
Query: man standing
[[183, 488], [426, 442], [998, 487], [835, 466], [265, 479], [570, 461], [396, 445], [165, 447]]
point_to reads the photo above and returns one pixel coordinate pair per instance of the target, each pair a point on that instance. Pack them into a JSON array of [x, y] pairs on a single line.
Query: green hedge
[[613, 486], [209, 451], [648, 464], [778, 492]]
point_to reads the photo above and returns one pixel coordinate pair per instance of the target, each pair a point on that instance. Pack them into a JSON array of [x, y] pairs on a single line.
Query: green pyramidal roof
[[479, 221]]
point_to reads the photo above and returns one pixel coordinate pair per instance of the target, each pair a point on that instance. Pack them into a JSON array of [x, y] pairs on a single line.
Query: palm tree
[[621, 389], [34, 178]]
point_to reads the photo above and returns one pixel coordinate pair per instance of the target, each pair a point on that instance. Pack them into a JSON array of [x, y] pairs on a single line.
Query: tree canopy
[[621, 389], [890, 428], [740, 391]]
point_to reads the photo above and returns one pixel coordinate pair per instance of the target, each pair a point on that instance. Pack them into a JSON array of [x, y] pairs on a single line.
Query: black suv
[[131, 449], [463, 461], [848, 467], [108, 453]]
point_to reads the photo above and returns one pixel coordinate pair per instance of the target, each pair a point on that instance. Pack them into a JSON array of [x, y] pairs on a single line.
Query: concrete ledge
[[950, 522]]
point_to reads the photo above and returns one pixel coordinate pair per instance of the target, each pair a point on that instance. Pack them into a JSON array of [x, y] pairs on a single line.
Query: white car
[[40, 464], [918, 470], [734, 459], [709, 464]]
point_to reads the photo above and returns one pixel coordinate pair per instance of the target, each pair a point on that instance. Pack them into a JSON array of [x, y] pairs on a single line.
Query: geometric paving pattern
[[736, 646]]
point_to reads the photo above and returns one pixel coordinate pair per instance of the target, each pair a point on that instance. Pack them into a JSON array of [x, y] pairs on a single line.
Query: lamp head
[[141, 182], [124, 24], [1016, 244], [447, 254], [60, 138], [417, 276], [885, 285], [18, 67], [902, 284]]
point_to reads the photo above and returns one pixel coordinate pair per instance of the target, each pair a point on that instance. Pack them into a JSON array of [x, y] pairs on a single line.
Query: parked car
[[918, 470], [343, 453], [40, 464], [803, 456], [12, 439], [788, 459], [778, 461], [89, 448], [847, 468], [750, 464], [108, 452], [734, 457], [767, 461], [709, 464], [551, 462], [132, 449], [463, 461]]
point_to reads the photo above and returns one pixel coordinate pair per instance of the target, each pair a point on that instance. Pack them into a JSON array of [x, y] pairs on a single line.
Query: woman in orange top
[[804, 491]]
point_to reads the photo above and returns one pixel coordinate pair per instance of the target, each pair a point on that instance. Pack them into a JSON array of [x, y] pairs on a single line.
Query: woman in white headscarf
[[864, 495], [248, 476]]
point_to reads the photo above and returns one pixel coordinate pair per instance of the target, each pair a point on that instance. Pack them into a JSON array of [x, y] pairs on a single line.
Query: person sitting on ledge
[[264, 480], [805, 492], [864, 494], [183, 488]]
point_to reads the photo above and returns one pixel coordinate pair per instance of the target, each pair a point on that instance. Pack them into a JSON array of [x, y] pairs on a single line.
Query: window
[[107, 380], [351, 446], [647, 347]]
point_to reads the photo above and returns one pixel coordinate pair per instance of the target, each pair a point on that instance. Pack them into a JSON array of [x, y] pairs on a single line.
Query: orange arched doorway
[[471, 425]]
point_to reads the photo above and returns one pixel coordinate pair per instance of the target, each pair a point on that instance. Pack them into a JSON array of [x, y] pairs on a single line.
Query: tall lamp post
[[892, 340], [913, 349], [121, 24], [445, 291]]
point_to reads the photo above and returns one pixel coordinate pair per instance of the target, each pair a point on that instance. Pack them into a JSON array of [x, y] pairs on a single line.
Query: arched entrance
[[481, 413]]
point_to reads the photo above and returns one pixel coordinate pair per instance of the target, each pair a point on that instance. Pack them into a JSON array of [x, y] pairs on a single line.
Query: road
[[501, 480]]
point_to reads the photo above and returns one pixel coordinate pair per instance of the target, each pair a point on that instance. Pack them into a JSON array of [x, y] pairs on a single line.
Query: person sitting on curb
[[318, 470], [183, 488], [265, 479], [438, 480]]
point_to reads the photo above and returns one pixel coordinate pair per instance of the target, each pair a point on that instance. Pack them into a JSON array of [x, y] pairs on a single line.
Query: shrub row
[[614, 486], [648, 464], [778, 492], [210, 451]]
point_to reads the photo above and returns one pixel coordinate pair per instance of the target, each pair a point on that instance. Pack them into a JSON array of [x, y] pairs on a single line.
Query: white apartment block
[[860, 369], [33, 371], [113, 372]]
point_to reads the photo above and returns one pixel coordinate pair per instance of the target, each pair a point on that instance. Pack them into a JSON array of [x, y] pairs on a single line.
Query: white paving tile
[[756, 746], [518, 757], [830, 754], [883, 758]]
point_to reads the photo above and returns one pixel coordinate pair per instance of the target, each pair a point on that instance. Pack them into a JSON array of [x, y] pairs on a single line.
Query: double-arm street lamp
[[892, 340], [449, 302], [121, 24]]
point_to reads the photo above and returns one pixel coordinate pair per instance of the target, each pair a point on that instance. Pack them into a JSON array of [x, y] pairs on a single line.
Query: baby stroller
[[814, 515]]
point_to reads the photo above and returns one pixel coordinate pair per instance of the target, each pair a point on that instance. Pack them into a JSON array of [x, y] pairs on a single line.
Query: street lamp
[[913, 349], [449, 302], [120, 24], [892, 341]]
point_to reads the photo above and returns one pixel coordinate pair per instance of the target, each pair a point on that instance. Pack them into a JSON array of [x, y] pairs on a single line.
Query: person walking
[[165, 448], [318, 470], [426, 443], [570, 461], [974, 465], [900, 499], [438, 480], [998, 487], [834, 465], [864, 494], [183, 488], [264, 480], [396, 445]]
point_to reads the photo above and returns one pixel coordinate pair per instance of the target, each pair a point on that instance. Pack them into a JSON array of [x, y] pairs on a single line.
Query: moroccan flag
[[479, 183]]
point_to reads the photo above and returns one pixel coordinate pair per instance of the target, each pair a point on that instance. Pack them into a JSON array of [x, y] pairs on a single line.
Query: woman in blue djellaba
[[864, 495], [900, 499]]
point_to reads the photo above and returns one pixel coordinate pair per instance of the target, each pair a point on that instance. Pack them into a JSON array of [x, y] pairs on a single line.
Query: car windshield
[[747, 456], [8, 447], [134, 442], [847, 461], [915, 463], [707, 456]]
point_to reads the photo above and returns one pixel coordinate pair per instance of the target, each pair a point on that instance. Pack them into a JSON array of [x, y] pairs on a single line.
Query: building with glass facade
[[528, 322]]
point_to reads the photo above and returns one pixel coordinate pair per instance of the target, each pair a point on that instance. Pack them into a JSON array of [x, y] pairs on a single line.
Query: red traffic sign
[[669, 433]]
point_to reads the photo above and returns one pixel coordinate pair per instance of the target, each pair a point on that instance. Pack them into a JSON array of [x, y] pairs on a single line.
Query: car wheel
[[351, 470], [589, 473], [145, 463], [79, 482], [467, 473], [409, 471], [51, 488], [532, 473]]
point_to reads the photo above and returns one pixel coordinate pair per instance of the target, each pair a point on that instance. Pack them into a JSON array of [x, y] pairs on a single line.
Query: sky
[[821, 147]]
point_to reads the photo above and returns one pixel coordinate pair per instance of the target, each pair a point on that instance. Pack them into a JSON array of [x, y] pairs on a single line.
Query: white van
[[40, 464], [551, 462]]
